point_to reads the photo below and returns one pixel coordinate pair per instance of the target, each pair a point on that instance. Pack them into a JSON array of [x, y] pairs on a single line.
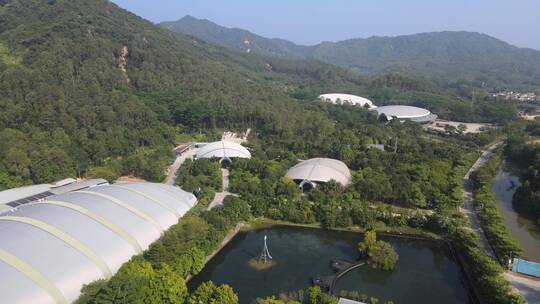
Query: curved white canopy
[[50, 249], [337, 98], [321, 170], [223, 149], [404, 112]]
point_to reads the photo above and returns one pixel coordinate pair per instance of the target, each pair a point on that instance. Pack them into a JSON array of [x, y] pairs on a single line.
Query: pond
[[523, 229], [425, 273]]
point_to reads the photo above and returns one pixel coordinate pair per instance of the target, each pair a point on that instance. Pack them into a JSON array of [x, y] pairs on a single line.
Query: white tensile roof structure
[[51, 247], [406, 113], [337, 98], [320, 170], [223, 150]]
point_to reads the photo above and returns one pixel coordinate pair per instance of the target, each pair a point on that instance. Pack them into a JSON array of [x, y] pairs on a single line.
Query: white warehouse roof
[[223, 149], [347, 99], [321, 170], [406, 112], [50, 248]]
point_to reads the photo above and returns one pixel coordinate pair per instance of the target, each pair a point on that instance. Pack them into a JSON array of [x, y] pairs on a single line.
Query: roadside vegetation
[[202, 177], [499, 236]]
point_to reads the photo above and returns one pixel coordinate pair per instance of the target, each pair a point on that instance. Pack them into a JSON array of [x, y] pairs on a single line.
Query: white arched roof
[[49, 249], [223, 149], [406, 112], [337, 98], [321, 170]]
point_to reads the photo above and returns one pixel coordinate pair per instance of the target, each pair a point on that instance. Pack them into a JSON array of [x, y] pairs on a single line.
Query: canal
[[523, 229], [425, 273]]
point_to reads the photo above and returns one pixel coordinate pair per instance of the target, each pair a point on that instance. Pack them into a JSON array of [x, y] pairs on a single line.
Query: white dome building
[[51, 247], [224, 150], [320, 170], [402, 112], [341, 99]]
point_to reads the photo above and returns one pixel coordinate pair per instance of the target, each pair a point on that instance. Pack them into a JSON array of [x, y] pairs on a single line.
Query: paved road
[[468, 199], [220, 196], [173, 169], [528, 287]]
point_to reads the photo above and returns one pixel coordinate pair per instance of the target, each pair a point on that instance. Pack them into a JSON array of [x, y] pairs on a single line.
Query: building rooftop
[[321, 170]]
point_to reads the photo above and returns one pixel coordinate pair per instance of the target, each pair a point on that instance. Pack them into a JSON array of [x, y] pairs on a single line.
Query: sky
[[310, 22]]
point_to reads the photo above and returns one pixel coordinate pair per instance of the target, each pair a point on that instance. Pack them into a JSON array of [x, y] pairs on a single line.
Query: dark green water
[[425, 273], [522, 228]]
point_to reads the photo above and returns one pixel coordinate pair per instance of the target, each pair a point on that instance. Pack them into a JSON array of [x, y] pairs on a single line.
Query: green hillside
[[87, 85], [450, 58], [236, 38]]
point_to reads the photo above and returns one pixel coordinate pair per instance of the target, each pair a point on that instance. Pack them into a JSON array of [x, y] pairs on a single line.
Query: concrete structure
[[402, 113], [52, 246], [319, 170], [347, 99], [224, 150]]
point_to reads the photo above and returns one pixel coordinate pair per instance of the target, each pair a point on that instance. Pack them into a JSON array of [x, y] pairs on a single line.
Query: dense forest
[[450, 58], [88, 87]]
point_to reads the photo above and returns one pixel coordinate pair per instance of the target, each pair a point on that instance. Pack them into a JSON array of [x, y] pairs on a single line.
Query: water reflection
[[424, 272], [524, 229]]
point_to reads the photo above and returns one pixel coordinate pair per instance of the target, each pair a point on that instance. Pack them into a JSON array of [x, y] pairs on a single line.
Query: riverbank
[[505, 184], [381, 229]]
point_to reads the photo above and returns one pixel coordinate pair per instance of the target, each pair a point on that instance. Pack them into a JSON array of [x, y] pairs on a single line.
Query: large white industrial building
[[310, 172], [347, 99], [224, 150], [51, 244], [402, 113]]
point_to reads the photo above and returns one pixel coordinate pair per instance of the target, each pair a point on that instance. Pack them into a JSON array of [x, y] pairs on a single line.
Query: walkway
[[528, 287], [173, 169], [340, 268], [468, 207], [220, 196]]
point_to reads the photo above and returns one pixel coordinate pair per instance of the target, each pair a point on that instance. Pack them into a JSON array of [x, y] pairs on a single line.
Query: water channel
[[426, 271], [523, 229]]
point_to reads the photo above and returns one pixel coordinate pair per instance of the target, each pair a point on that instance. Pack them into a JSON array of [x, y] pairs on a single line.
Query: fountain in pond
[[264, 261]]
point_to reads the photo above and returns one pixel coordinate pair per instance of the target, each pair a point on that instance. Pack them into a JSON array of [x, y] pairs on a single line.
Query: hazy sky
[[313, 21]]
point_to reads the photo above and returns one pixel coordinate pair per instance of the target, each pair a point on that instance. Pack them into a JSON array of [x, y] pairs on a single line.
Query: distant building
[[347, 301], [375, 146], [402, 113], [313, 171], [347, 99], [514, 96]]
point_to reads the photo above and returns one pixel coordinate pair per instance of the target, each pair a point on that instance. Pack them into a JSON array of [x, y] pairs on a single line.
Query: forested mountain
[[88, 85], [85, 83], [446, 57], [236, 38]]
